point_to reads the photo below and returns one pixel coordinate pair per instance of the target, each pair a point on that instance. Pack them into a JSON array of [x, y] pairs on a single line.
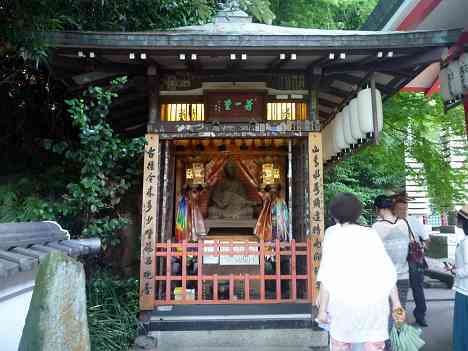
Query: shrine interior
[[228, 178]]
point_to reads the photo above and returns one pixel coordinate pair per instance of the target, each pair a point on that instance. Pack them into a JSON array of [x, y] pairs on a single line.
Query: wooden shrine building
[[240, 118]]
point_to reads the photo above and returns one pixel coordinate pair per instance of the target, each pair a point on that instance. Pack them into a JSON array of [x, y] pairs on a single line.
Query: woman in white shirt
[[395, 236], [460, 321], [356, 279]]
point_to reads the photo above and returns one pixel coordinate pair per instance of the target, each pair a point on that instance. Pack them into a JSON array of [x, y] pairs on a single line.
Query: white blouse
[[359, 275], [461, 267]]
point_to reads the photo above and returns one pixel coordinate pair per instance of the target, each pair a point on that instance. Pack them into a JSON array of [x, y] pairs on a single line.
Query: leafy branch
[[106, 163]]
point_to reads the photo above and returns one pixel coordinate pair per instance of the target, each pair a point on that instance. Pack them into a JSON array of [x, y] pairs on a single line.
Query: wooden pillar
[[315, 179], [165, 193], [149, 222], [316, 202], [314, 85], [153, 98], [290, 191]]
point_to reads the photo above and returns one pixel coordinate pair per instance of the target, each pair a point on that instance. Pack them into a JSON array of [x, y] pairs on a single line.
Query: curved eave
[[318, 40]]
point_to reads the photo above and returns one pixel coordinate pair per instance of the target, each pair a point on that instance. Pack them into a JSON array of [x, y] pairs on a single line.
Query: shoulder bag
[[416, 257]]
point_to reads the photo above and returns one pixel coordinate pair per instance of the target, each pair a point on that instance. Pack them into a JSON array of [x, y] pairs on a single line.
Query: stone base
[[266, 339]]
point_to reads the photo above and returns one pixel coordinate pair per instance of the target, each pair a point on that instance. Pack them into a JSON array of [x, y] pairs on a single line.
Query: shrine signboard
[[316, 199], [235, 106], [149, 221], [238, 258]]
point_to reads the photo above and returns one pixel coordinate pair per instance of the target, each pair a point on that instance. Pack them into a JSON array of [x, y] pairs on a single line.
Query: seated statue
[[228, 199]]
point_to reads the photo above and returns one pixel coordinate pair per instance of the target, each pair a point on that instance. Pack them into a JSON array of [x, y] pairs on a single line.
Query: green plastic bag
[[405, 337]]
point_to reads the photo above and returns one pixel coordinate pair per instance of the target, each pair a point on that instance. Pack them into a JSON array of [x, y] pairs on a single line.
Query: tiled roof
[[24, 245]]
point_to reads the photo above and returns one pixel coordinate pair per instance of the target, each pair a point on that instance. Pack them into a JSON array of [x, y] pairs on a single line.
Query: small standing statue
[[273, 221], [183, 215], [198, 223], [190, 224], [279, 216]]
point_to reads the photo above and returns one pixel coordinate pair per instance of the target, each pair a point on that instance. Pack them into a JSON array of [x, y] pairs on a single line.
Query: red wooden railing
[[279, 272]]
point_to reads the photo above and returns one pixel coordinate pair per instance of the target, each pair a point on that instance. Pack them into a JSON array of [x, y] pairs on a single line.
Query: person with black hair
[[395, 236], [357, 278], [460, 270], [419, 235]]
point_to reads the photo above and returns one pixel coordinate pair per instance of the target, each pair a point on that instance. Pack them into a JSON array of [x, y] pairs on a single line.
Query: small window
[[281, 111], [182, 112]]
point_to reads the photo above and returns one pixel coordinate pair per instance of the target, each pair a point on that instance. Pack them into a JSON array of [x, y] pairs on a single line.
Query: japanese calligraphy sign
[[149, 221], [234, 106], [316, 201]]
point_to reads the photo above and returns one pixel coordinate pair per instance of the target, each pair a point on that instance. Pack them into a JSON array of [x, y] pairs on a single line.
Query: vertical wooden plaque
[[316, 203], [149, 222]]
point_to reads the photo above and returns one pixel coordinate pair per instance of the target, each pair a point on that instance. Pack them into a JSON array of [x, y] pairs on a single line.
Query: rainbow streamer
[[182, 219]]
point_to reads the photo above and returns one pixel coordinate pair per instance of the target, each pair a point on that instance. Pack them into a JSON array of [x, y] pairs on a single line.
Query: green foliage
[[22, 18], [21, 21], [414, 124], [322, 14], [420, 123], [112, 311], [31, 197], [106, 164], [367, 174], [260, 9]]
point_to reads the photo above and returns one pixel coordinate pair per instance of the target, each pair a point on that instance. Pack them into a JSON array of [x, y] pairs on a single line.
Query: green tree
[[413, 126], [322, 14], [105, 162], [22, 21], [419, 122]]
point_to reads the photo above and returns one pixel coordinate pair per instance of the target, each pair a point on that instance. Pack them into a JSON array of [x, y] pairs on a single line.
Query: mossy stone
[[57, 319]]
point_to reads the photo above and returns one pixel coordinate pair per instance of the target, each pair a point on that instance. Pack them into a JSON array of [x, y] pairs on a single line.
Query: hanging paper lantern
[[325, 144], [336, 144], [328, 142], [198, 173], [454, 79], [444, 85], [463, 61], [379, 109], [354, 114], [334, 149], [347, 126], [339, 132], [189, 174], [366, 119]]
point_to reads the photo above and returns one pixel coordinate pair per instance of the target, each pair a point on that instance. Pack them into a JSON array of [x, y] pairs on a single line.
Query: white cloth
[[359, 276], [395, 237], [461, 267], [418, 228]]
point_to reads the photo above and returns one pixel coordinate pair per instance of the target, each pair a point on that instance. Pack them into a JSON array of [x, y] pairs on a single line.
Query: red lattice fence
[[233, 272]]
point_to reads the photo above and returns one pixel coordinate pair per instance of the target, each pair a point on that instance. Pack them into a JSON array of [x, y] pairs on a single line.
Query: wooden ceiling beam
[[339, 93], [327, 103]]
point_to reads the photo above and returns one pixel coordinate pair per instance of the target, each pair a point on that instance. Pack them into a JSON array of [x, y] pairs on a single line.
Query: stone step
[[256, 339]]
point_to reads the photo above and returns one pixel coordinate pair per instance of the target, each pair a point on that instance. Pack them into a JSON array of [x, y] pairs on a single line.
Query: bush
[[112, 311]]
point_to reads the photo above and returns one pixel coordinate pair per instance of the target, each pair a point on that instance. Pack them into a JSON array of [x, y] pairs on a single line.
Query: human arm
[[462, 272], [398, 312], [323, 299]]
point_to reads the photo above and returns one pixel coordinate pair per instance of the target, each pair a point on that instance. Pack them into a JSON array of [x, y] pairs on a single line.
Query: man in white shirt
[[416, 274]]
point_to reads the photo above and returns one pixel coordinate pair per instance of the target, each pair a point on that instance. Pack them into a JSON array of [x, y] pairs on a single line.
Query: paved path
[[438, 335]]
